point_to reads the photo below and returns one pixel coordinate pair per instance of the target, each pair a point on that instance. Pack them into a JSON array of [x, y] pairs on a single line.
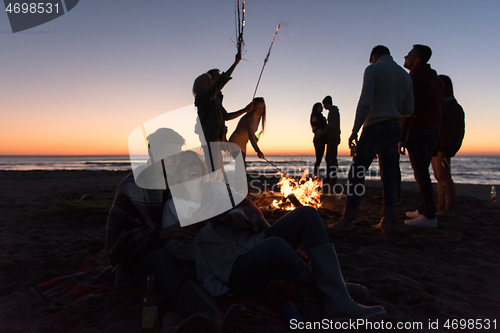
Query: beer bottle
[[149, 305]]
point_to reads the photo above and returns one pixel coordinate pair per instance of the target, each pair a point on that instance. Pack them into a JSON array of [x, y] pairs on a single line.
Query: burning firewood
[[304, 192], [294, 200]]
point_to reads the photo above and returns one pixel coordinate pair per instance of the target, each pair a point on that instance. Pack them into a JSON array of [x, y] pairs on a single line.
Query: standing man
[[331, 134], [386, 97], [420, 133]]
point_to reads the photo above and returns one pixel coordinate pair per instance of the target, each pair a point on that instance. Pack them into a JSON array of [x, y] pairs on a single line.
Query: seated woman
[[247, 126], [239, 250]]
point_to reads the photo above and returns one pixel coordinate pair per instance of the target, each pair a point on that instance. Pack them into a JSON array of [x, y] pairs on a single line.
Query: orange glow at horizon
[[77, 145], [74, 135]]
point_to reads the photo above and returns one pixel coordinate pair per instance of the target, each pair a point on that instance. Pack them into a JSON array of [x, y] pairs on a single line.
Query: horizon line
[[277, 154]]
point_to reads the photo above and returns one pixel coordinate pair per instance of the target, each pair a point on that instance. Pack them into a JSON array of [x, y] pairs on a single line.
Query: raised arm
[[214, 90], [236, 114], [237, 60]]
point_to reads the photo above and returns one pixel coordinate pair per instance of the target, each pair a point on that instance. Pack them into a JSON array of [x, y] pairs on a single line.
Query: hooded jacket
[[428, 90]]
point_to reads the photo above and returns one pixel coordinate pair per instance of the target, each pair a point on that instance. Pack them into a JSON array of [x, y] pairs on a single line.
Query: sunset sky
[[83, 82]]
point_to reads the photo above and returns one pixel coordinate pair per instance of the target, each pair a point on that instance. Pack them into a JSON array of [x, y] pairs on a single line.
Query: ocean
[[483, 170]]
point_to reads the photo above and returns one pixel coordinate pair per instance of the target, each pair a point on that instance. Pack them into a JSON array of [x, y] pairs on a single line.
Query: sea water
[[465, 169]]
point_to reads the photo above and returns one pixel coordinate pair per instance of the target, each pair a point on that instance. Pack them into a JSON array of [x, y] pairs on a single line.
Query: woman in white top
[[248, 125]]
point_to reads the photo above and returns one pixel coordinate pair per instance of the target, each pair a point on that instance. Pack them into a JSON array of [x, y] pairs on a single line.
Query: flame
[[279, 205], [307, 191]]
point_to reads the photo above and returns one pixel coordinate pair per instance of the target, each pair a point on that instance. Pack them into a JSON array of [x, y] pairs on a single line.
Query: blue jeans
[[421, 144], [276, 255], [382, 139]]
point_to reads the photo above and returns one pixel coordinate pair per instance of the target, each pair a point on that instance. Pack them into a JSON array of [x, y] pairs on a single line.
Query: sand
[[47, 231]]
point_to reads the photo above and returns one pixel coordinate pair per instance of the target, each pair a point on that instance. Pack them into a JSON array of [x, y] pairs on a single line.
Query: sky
[[82, 83]]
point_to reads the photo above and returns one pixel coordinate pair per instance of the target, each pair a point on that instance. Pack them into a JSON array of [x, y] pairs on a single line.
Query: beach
[[52, 223]]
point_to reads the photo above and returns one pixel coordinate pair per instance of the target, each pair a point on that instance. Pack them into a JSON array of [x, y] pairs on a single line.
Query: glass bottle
[[354, 150], [149, 305]]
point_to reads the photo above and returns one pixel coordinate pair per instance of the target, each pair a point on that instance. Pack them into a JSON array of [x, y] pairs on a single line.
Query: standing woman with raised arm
[[318, 123], [212, 115], [248, 125]]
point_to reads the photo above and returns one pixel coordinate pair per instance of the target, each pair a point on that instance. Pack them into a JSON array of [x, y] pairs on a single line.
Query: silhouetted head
[[419, 55], [448, 86], [327, 102], [202, 82], [317, 108], [165, 145], [424, 52], [214, 73], [377, 52]]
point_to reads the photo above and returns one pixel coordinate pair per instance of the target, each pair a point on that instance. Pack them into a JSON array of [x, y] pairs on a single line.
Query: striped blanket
[[92, 287]]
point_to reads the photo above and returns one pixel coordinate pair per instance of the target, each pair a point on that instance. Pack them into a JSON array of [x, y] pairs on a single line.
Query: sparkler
[[240, 25], [265, 60]]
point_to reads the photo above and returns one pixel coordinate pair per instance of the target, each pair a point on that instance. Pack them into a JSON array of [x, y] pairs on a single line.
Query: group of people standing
[[400, 112], [238, 249], [234, 248]]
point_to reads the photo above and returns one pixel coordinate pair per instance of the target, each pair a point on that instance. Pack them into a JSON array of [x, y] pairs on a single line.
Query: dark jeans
[[421, 143], [398, 170], [331, 159], [319, 147], [382, 139], [276, 255]]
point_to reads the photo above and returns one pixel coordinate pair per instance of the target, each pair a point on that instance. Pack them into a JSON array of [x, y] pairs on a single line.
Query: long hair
[[201, 83], [448, 86], [261, 100], [181, 191], [315, 107]]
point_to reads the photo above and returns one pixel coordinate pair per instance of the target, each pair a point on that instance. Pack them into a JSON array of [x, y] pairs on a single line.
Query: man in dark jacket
[[420, 132], [331, 134]]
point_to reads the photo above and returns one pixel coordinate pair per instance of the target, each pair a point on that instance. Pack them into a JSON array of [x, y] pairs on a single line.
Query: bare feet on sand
[[384, 225]]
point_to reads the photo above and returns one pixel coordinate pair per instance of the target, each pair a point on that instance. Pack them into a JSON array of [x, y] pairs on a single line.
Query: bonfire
[[304, 192]]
